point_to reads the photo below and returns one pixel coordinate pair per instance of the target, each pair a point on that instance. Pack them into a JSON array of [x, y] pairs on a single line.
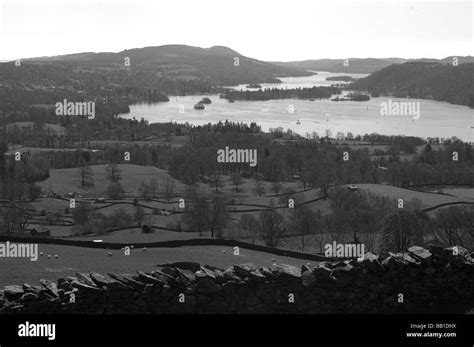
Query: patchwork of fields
[[74, 259]]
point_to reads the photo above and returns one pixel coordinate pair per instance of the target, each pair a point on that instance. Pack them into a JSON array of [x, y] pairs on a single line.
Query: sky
[[271, 30]]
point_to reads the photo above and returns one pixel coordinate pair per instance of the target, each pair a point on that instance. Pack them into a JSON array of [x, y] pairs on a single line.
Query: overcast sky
[[272, 30]]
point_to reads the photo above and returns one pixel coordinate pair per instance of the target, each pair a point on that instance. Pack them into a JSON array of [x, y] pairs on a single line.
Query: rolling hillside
[[441, 82], [216, 64], [367, 65]]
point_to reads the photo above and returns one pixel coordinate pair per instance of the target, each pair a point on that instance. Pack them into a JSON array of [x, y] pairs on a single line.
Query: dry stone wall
[[433, 280]]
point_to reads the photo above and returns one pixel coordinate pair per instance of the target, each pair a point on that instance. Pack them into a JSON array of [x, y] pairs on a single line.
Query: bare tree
[[85, 175], [236, 180], [139, 215], [454, 226], [144, 191], [216, 181], [259, 187], [112, 173], [115, 191], [16, 216], [401, 230], [153, 187], [304, 222], [207, 214], [276, 187], [247, 224], [271, 226], [169, 188]]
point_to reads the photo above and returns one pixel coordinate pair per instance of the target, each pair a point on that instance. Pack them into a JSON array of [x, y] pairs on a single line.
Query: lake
[[437, 119]]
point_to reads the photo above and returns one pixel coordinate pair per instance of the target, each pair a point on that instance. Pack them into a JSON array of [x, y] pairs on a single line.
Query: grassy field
[[64, 181], [135, 235], [465, 193], [76, 259], [427, 199]]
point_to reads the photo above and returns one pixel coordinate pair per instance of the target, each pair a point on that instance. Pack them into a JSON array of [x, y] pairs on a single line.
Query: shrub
[[120, 219], [34, 192], [400, 231], [115, 191], [146, 229]]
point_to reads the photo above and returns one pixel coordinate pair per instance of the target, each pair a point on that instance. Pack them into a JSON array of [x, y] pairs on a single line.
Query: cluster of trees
[[454, 226], [87, 221], [85, 175], [452, 164], [317, 164], [206, 213], [150, 190], [423, 80], [228, 127], [355, 217], [76, 132], [32, 84], [17, 178], [18, 189], [15, 217]]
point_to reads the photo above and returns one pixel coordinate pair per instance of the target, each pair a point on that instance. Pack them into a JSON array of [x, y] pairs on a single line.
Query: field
[[134, 235], [246, 200], [426, 199], [76, 259], [465, 193], [64, 181]]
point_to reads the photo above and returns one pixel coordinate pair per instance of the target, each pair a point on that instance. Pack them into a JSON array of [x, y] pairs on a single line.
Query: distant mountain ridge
[[218, 64], [364, 65], [423, 80]]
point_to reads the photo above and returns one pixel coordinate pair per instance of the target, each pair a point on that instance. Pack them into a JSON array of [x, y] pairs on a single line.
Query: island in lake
[[254, 86], [353, 97], [205, 101], [341, 78]]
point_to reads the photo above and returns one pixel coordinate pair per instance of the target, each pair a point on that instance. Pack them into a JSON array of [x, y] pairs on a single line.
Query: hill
[[365, 65], [217, 64], [441, 82]]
